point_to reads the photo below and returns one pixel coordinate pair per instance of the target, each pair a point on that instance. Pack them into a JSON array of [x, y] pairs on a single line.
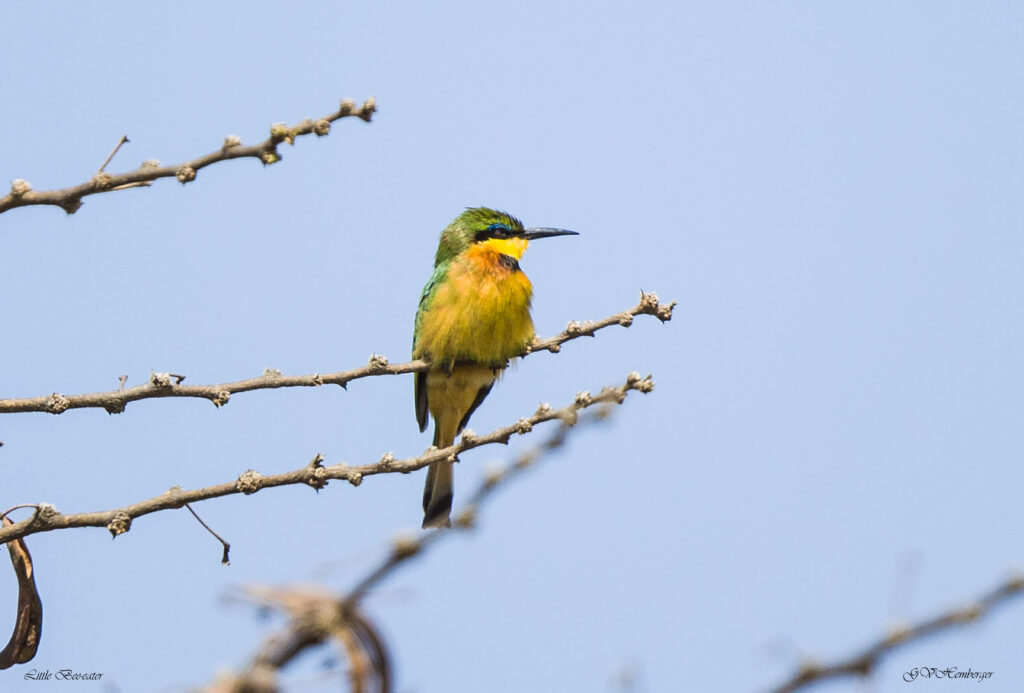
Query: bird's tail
[[438, 491], [437, 495]]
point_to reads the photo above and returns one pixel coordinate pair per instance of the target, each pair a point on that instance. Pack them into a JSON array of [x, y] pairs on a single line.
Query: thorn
[[122, 141], [72, 205], [224, 558]]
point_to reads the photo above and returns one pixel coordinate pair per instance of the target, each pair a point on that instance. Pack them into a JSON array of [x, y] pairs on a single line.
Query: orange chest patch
[[479, 313]]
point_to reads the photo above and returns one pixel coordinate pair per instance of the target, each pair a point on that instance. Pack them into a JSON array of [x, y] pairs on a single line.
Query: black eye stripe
[[493, 231]]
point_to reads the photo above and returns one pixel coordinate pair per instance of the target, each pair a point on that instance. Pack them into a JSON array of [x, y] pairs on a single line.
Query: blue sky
[[830, 190]]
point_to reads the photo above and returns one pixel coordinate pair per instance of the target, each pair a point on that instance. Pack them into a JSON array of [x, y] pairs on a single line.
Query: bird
[[473, 317]]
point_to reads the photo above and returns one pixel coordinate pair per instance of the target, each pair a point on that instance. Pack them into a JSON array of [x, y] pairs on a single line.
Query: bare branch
[[117, 147], [863, 663], [169, 385], [315, 617], [70, 199], [225, 558], [408, 547], [649, 305], [118, 521]]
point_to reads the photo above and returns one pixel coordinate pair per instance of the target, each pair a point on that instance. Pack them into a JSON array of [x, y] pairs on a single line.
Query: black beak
[[532, 234]]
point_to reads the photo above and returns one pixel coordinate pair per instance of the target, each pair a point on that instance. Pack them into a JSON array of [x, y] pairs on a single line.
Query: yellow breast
[[479, 313]]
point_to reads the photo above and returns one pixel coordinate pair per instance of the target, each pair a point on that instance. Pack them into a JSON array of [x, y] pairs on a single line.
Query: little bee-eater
[[474, 316]]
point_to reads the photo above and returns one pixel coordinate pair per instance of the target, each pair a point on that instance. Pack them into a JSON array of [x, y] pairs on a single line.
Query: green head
[[484, 225]]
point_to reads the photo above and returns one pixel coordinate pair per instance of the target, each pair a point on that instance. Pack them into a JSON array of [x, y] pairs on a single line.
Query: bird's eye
[[497, 230]]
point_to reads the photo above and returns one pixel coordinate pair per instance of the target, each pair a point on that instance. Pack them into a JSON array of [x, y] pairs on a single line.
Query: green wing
[[420, 387]]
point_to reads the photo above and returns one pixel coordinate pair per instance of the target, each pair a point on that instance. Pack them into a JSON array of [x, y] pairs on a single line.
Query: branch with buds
[[863, 663], [170, 384], [47, 518], [317, 617], [70, 199]]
